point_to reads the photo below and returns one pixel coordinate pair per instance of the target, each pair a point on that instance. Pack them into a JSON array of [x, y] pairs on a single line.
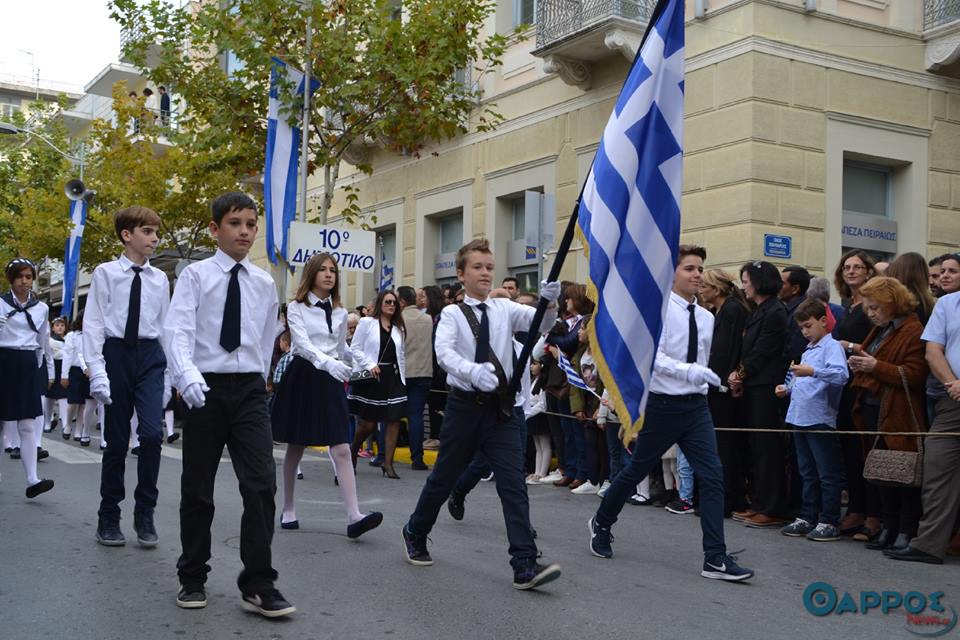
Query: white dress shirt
[[456, 347], [73, 352], [17, 334], [366, 346], [56, 348], [311, 338], [670, 366], [191, 331], [108, 302]]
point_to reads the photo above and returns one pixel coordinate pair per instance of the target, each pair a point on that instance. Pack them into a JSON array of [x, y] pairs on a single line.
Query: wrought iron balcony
[[937, 13], [572, 34]]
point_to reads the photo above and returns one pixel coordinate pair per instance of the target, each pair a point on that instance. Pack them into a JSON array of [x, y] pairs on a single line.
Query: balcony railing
[[557, 19], [937, 13]]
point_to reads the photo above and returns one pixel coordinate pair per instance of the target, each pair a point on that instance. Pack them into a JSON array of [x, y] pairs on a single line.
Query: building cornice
[[523, 166], [760, 44], [878, 124], [444, 188]]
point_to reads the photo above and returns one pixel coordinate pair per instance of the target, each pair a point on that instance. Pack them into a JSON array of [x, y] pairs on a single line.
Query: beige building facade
[[811, 126]]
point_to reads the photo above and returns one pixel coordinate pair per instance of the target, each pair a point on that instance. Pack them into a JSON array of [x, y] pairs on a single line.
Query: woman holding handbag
[[380, 396], [890, 373]]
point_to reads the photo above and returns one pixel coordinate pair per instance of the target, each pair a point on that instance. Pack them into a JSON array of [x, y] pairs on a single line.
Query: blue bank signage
[[775, 246], [872, 233]]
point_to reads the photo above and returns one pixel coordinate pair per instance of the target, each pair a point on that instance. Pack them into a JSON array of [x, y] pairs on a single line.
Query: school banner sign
[[353, 249]]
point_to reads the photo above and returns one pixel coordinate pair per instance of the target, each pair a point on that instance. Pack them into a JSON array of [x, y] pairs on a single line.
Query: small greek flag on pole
[[629, 215], [573, 377], [282, 160], [71, 257]]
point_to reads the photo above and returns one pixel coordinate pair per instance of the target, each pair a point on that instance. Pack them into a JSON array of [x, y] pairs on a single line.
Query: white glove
[[167, 394], [698, 374], [484, 377], [194, 395], [550, 290], [339, 370], [100, 390]]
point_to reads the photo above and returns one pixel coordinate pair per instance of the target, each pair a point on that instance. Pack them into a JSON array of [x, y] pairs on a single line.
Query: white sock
[[669, 473], [28, 449], [545, 452], [62, 411], [11, 437], [74, 419], [643, 489], [48, 406], [291, 462], [134, 436], [343, 466], [168, 421], [38, 430], [89, 419]]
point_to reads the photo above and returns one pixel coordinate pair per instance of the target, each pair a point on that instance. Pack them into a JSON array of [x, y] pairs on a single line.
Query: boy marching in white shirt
[[121, 346], [478, 359], [219, 335]]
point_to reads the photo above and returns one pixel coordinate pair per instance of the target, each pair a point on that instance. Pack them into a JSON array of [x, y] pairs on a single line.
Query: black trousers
[[136, 383], [768, 452], [468, 427], [235, 415]]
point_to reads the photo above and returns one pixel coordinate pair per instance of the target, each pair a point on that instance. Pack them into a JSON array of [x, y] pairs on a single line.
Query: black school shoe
[[456, 507], [146, 531], [42, 453], [370, 521], [15, 453], [269, 603], [41, 487], [190, 597], [535, 575]]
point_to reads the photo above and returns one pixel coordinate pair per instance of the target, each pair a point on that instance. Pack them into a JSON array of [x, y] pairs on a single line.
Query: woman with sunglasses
[[378, 348]]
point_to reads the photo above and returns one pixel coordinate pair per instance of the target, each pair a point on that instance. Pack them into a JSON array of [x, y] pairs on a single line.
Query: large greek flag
[[71, 256], [629, 215], [283, 157]]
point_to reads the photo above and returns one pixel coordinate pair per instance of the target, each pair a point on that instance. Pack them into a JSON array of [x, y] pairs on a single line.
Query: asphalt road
[[57, 583]]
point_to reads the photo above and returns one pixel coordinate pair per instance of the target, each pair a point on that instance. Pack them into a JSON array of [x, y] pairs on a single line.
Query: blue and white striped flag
[[71, 256], [282, 161], [572, 376], [629, 215], [386, 271]]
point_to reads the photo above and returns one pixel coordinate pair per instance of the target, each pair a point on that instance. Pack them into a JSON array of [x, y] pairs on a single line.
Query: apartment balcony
[[572, 35], [102, 84], [130, 35], [941, 31]]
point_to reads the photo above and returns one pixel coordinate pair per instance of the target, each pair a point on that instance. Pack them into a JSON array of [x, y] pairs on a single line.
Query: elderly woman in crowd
[[890, 374]]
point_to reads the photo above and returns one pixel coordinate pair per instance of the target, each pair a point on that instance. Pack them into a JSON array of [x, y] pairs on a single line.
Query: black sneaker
[[456, 507], [797, 528], [146, 532], [269, 604], [535, 575], [679, 506], [416, 548], [190, 597], [418, 465], [725, 567], [109, 534], [600, 539]]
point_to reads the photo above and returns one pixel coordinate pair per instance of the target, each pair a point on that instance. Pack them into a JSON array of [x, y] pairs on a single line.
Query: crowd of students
[[756, 379]]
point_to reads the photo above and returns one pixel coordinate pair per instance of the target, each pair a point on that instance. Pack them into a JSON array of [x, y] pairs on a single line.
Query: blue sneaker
[[725, 567], [535, 575], [600, 539], [415, 548]]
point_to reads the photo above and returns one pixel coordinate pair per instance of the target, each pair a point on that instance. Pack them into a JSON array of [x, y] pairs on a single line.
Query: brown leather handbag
[[896, 468]]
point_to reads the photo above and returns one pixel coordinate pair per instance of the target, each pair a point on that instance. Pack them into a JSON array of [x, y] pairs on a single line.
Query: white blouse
[[73, 352], [311, 338], [17, 334], [56, 348]]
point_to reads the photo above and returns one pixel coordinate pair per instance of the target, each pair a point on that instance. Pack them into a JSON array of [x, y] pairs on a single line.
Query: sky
[[71, 41]]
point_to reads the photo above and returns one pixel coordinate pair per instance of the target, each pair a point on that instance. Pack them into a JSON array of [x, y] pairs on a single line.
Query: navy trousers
[[685, 421], [471, 426], [136, 384]]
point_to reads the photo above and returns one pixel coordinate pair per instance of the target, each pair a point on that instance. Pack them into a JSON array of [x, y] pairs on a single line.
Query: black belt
[[479, 397], [687, 396]]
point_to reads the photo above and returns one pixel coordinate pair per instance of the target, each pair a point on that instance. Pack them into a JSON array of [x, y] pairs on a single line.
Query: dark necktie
[[327, 307], [19, 308], [483, 337], [692, 337], [132, 331], [230, 330]]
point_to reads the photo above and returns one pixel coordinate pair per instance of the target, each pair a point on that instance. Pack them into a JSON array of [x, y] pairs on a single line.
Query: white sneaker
[[551, 477], [603, 488], [585, 488], [533, 479]]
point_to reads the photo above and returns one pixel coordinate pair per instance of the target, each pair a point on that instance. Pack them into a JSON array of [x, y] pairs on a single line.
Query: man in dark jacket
[[796, 280]]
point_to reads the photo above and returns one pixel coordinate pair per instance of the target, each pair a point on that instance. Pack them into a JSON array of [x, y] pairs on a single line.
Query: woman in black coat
[[719, 293], [762, 368]]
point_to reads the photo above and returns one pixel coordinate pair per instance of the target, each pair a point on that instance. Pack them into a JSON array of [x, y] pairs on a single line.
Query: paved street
[[56, 582]]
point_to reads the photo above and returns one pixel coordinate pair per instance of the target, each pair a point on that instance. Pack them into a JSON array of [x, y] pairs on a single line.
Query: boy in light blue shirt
[[814, 401]]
